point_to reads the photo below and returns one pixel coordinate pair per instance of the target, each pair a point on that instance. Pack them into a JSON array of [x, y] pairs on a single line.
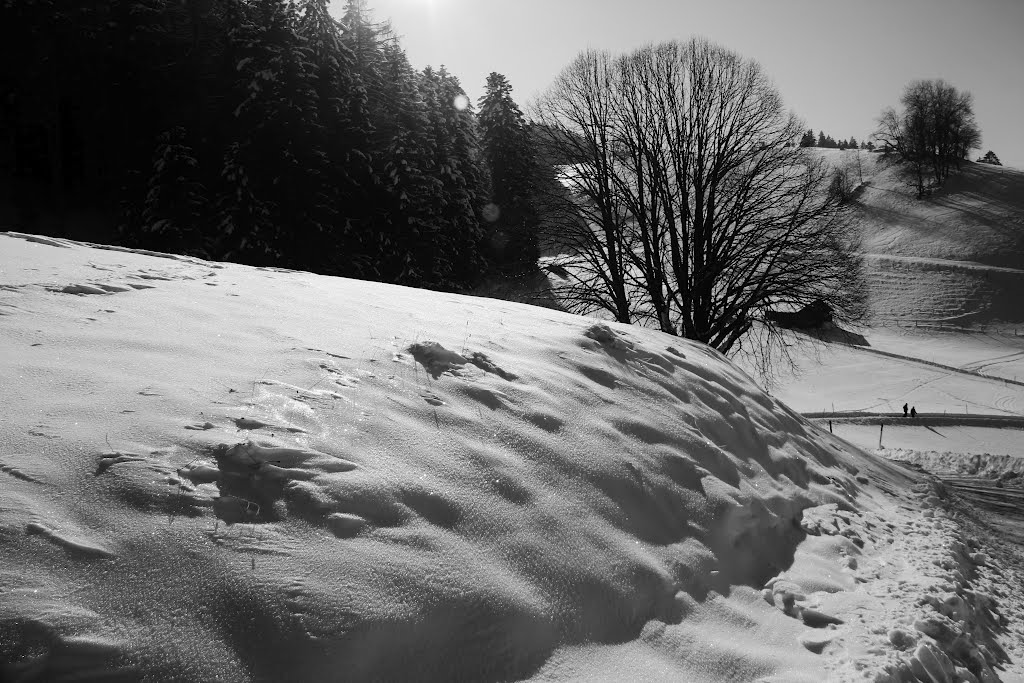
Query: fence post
[[881, 428]]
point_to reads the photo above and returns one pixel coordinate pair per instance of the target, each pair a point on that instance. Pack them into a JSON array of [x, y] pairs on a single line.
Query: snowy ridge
[[219, 472]]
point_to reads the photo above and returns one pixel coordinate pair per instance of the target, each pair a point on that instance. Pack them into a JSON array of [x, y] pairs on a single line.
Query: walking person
[[913, 412], [904, 410]]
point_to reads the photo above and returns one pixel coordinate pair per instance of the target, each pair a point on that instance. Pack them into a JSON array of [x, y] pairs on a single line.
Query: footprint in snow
[[109, 460], [38, 431], [249, 423], [88, 289], [432, 399], [340, 378], [438, 360]]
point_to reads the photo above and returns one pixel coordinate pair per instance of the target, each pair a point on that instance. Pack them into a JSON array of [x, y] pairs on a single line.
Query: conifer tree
[[471, 262], [990, 158], [511, 158], [274, 170], [345, 139], [175, 207], [408, 251], [364, 38], [808, 138], [456, 163]]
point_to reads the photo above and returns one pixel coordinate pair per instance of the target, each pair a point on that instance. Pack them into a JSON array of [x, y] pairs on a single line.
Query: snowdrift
[[215, 472]]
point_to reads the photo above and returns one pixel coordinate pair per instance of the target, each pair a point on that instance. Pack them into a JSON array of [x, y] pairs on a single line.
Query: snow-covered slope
[[977, 216], [955, 257], [214, 472]]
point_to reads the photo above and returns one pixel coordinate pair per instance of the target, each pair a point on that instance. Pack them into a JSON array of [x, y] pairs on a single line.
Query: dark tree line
[[258, 131], [932, 132], [828, 142]]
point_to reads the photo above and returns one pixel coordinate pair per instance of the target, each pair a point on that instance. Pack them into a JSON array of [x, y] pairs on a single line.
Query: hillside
[[216, 472], [977, 216], [956, 257]]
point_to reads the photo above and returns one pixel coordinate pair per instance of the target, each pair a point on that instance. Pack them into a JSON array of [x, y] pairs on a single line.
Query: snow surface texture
[[213, 472]]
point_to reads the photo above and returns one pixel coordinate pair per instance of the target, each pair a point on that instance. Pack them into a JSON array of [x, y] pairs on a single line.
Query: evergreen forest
[[265, 132]]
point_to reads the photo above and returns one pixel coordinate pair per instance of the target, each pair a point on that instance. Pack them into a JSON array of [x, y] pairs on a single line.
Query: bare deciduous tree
[[695, 211], [592, 225], [933, 133]]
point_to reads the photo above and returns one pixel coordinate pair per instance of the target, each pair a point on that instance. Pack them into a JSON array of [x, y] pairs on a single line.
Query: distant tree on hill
[[826, 141], [933, 132], [829, 142], [990, 158]]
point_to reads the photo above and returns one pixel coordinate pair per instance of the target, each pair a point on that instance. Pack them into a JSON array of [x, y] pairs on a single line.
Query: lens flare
[[461, 102], [491, 212]]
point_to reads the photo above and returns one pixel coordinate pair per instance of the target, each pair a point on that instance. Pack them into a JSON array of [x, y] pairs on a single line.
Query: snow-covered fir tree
[[511, 159]]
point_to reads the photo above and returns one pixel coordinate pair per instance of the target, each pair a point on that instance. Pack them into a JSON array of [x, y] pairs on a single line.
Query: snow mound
[[249, 474]]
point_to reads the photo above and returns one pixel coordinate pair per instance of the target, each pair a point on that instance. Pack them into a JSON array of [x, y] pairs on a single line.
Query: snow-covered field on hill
[[954, 258], [216, 472], [951, 373]]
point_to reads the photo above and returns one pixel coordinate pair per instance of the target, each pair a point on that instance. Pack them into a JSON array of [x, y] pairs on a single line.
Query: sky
[[837, 64]]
